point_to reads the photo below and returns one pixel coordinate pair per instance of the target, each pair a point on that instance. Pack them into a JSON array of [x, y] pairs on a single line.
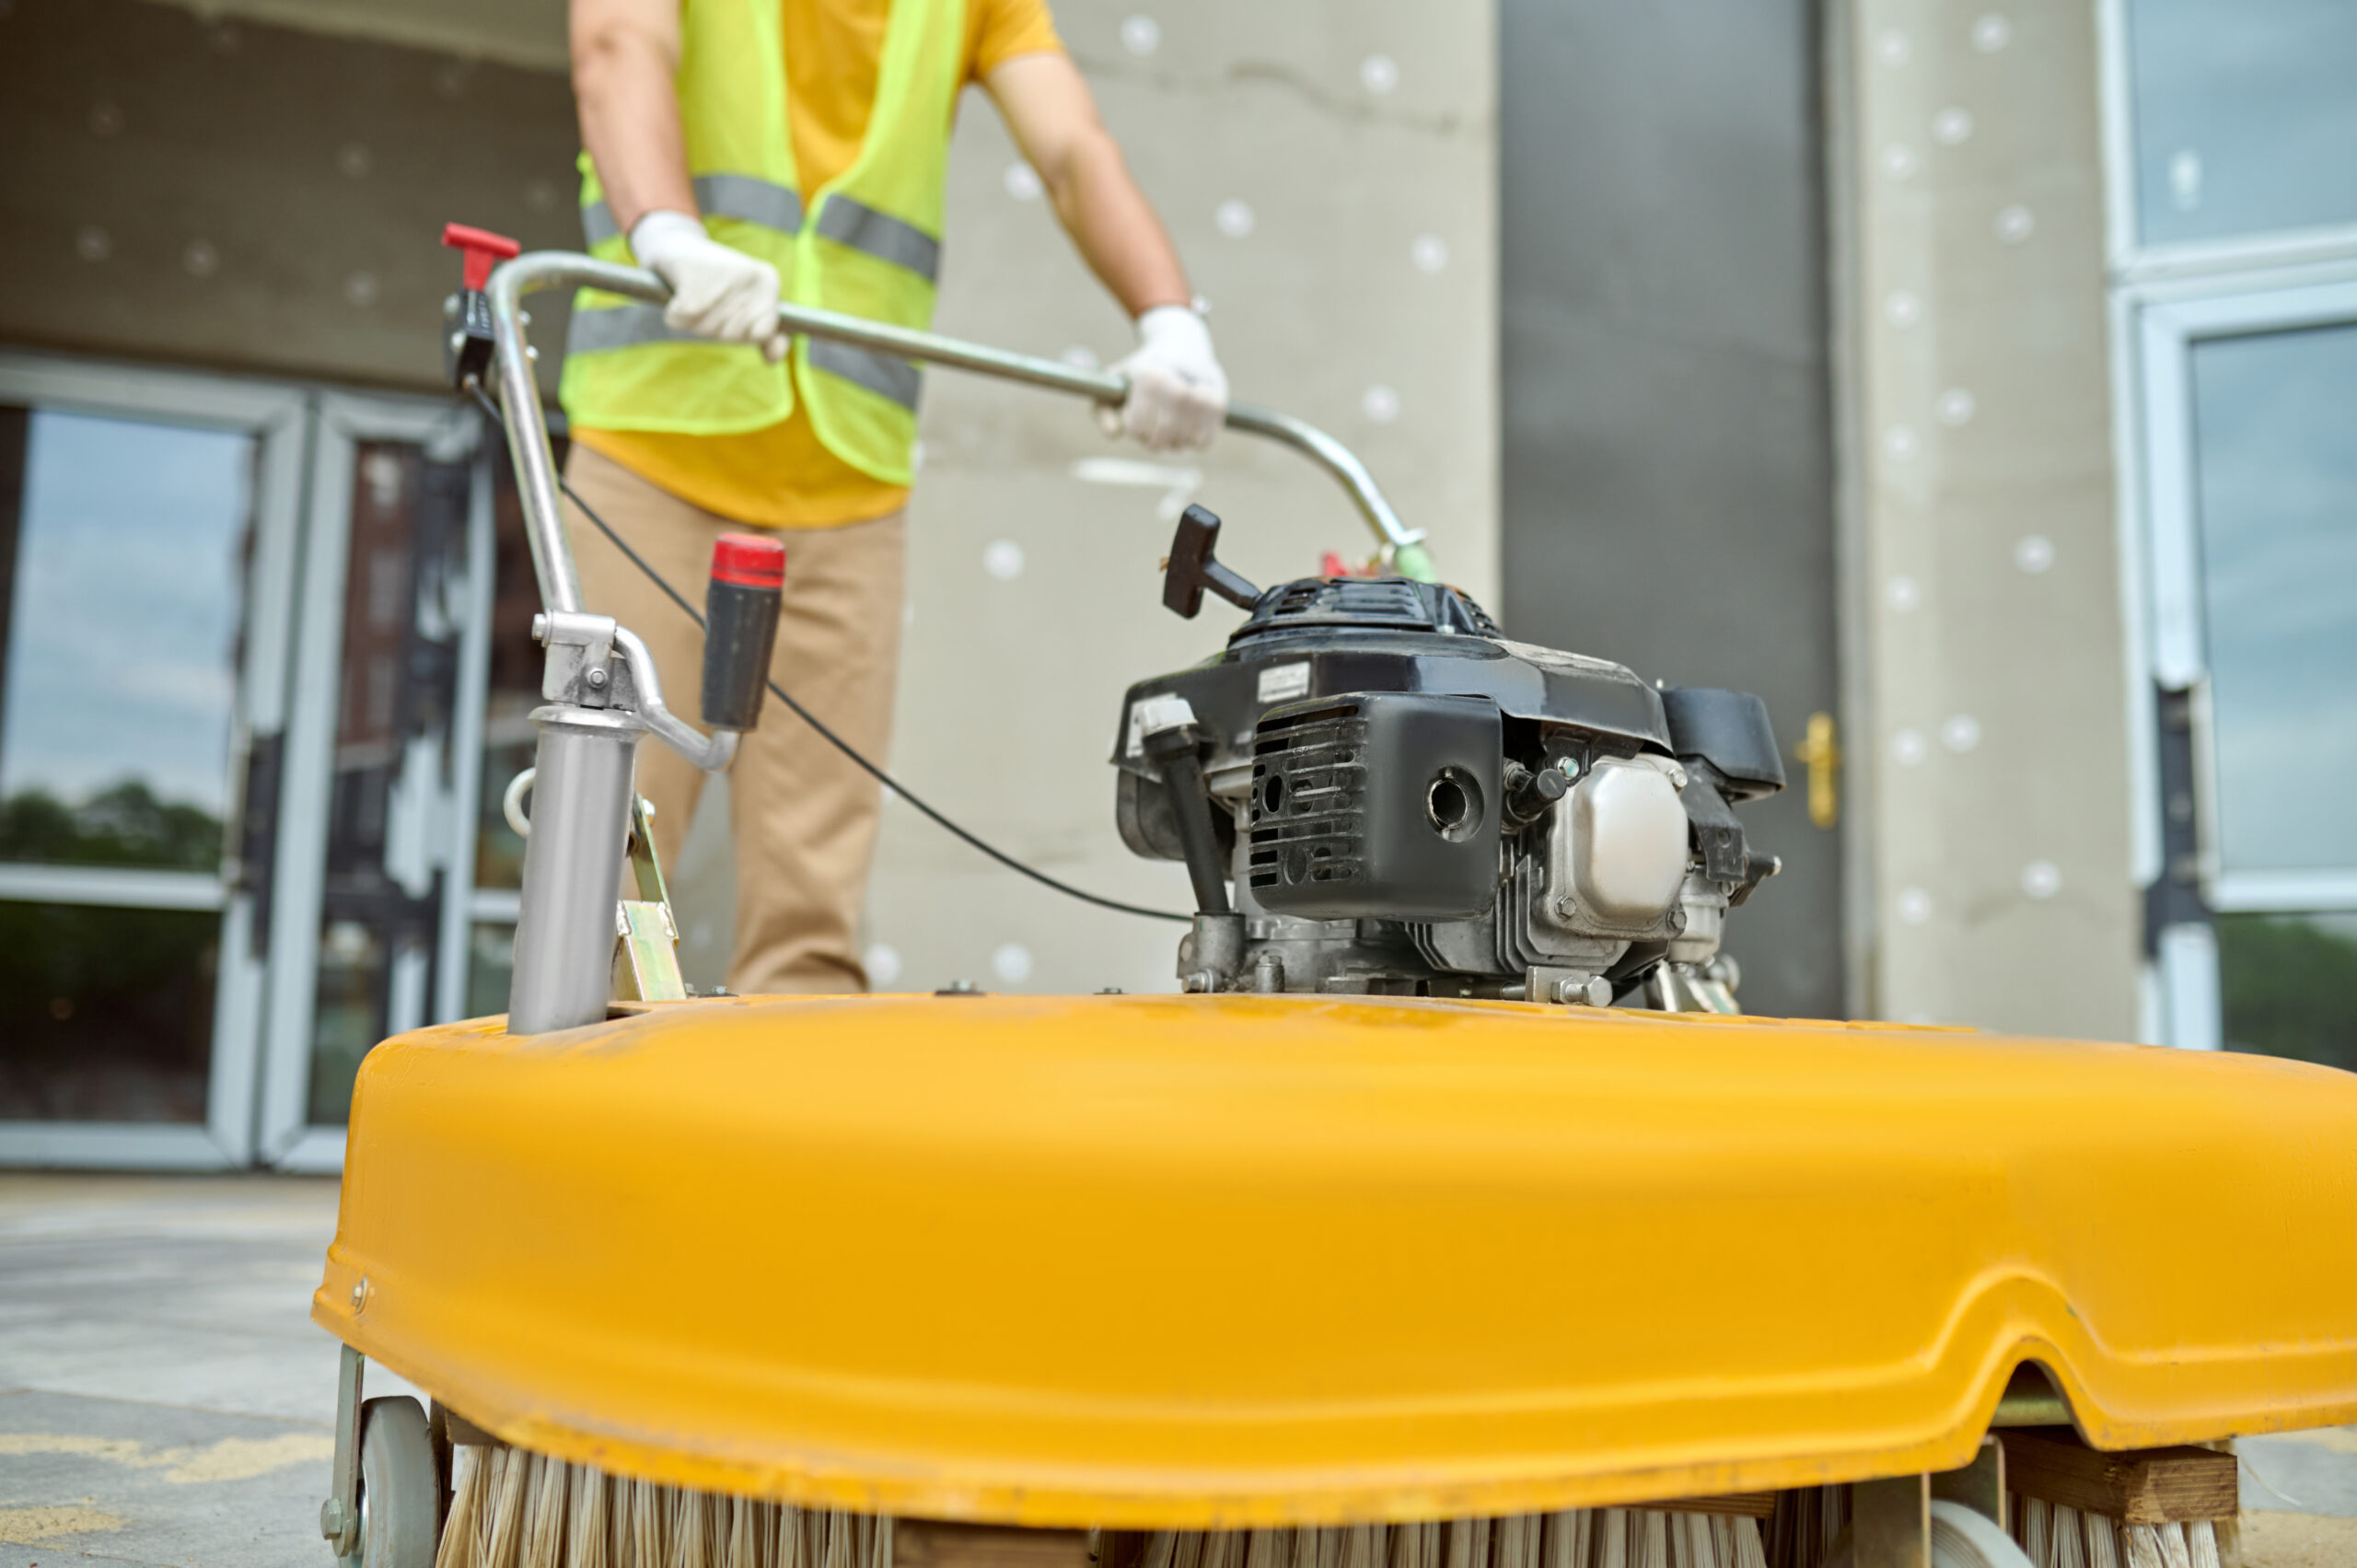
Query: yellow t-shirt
[[783, 476]]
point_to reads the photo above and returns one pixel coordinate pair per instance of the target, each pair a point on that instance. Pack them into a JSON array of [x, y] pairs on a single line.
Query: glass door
[[2251, 474], [374, 919], [146, 556]]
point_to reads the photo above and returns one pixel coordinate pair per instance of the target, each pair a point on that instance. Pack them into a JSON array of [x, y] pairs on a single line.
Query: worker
[[751, 151]]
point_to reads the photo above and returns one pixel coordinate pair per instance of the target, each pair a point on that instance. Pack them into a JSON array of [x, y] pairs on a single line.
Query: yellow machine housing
[[1178, 1263]]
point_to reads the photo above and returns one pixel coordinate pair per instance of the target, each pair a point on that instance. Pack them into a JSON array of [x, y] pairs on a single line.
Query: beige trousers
[[804, 817]]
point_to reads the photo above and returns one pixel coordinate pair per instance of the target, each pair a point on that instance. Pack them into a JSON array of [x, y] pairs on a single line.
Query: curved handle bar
[[527, 438]]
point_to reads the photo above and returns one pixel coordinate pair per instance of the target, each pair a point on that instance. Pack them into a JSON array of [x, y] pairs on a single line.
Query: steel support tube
[[536, 469], [573, 869]]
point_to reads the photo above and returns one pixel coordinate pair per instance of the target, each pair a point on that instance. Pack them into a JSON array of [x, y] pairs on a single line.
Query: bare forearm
[[1053, 118], [1115, 227], [624, 52]]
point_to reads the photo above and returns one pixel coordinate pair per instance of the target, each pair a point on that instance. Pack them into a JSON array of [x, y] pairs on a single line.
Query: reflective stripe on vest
[[848, 221], [887, 376], [628, 326], [739, 196]]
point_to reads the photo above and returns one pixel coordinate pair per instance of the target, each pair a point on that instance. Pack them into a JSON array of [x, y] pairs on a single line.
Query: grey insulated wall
[[1667, 471]]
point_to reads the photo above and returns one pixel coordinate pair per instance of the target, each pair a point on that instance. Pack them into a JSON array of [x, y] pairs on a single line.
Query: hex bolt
[[1594, 991], [597, 678], [332, 1518]]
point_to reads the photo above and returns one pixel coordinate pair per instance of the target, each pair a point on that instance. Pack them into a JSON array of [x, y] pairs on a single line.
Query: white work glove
[[716, 292], [1178, 392]]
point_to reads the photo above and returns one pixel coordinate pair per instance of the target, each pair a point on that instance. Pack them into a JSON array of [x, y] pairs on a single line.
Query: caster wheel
[[1961, 1537], [400, 1491], [1966, 1538]]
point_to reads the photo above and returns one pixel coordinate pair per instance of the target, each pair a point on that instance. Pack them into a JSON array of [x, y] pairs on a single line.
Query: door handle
[[1820, 752]]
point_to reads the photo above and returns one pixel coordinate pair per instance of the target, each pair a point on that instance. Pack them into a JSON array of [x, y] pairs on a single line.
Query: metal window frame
[[2156, 325], [286, 1136], [2163, 296], [277, 417]]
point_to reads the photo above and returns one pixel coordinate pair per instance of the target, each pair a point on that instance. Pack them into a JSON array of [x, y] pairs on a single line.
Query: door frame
[[2156, 325], [277, 416], [286, 1136]]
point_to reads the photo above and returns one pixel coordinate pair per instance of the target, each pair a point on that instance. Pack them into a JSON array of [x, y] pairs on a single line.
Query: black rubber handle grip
[[740, 611], [1193, 568]]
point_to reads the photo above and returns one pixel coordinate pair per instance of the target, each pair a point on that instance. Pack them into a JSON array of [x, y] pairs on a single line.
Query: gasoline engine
[[1406, 803]]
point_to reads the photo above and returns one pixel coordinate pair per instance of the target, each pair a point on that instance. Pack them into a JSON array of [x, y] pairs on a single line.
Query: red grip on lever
[[749, 561], [482, 249]]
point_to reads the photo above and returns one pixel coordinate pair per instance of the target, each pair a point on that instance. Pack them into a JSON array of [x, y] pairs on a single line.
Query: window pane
[[2290, 985], [2277, 493], [106, 1013], [491, 966], [2245, 115], [404, 603], [122, 562], [508, 738]]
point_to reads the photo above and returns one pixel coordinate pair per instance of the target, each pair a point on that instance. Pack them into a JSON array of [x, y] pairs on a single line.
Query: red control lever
[[484, 249]]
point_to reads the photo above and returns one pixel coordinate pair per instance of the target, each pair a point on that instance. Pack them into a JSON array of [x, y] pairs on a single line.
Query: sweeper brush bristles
[[515, 1509], [2054, 1537]]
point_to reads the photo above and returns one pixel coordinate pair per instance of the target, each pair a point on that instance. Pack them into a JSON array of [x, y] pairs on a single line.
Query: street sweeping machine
[[1447, 1215]]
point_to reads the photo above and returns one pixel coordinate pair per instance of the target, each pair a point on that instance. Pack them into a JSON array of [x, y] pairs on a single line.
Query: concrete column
[[1988, 731], [1328, 173]]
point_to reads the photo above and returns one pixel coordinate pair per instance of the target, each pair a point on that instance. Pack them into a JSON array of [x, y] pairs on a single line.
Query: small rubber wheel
[[400, 1495], [1961, 1537], [1966, 1537]]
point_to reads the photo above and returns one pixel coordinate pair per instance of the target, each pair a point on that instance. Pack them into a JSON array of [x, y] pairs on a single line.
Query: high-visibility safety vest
[[870, 247]]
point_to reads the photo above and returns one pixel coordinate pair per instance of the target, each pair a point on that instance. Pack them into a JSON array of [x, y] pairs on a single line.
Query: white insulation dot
[[1023, 182], [1950, 126], [2041, 879], [2034, 554], [1899, 441], [1010, 961], [1380, 403], [2015, 224], [1428, 252], [1378, 73], [1234, 218], [1003, 559], [1991, 33], [883, 963], [1954, 407], [1906, 747], [1901, 308], [1961, 733], [1891, 47], [1899, 160], [1914, 906], [1903, 593], [1141, 35]]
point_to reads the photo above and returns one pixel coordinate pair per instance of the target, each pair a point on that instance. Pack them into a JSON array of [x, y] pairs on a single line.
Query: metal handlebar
[[527, 438]]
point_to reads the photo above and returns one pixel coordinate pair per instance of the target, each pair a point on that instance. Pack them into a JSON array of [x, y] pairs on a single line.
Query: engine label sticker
[[1280, 682]]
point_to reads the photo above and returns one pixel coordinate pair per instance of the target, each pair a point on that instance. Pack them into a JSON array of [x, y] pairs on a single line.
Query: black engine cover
[[1328, 637], [1382, 805]]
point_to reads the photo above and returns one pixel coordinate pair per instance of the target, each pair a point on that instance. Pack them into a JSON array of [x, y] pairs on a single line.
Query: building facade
[[1969, 379]]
